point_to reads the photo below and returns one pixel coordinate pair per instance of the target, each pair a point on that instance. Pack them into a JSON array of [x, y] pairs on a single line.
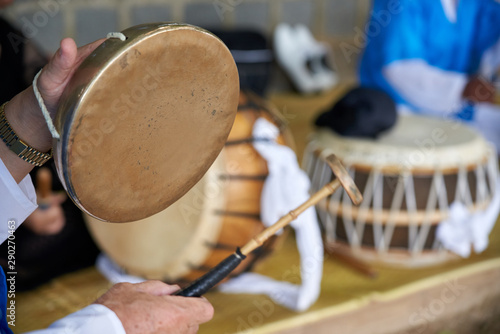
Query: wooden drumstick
[[43, 187], [224, 268]]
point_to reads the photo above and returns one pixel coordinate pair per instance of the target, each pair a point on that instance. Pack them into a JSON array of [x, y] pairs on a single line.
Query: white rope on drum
[[481, 189], [443, 203], [45, 112], [492, 172]]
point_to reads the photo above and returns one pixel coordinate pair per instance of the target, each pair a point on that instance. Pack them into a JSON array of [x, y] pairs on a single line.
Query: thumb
[[55, 75]]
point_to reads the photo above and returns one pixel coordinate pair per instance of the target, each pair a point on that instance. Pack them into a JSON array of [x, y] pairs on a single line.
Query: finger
[[156, 288], [60, 69], [199, 309]]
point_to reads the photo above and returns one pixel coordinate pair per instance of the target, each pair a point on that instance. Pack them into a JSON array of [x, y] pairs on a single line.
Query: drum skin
[[142, 120], [222, 210]]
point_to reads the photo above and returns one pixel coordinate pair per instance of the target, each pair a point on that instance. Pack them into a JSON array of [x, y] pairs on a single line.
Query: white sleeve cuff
[[95, 319], [426, 87], [17, 201], [490, 61]]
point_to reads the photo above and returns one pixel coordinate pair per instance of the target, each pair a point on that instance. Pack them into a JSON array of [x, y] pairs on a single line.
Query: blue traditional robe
[[422, 30]]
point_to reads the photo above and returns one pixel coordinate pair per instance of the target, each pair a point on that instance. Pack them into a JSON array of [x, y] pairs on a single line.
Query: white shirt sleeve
[[490, 62], [426, 87], [95, 319], [17, 201]]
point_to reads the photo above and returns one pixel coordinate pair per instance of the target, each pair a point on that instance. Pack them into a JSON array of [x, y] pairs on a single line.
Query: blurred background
[[46, 22]]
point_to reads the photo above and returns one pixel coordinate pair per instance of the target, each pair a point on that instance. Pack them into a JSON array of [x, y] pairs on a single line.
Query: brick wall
[[48, 21]]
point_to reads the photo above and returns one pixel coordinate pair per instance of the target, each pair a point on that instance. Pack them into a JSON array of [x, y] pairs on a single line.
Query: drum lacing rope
[[45, 112]]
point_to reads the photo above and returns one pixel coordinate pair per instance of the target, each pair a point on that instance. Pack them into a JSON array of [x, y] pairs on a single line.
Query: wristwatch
[[16, 145]]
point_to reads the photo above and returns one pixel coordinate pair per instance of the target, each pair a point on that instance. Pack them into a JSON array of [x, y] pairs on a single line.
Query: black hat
[[362, 112]]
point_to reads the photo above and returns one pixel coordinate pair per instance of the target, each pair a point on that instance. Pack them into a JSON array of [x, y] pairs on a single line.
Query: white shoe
[[320, 55], [302, 58]]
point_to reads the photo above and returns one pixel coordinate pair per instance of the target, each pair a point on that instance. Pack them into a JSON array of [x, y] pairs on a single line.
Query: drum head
[[143, 119]]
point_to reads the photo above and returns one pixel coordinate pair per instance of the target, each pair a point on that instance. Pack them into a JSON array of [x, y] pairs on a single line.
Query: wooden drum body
[[409, 177], [220, 213]]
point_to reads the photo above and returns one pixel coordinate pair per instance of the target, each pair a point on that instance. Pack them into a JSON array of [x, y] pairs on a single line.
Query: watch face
[[143, 119]]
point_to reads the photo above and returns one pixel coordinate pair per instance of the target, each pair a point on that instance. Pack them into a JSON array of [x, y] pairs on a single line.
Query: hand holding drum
[[223, 269], [139, 121]]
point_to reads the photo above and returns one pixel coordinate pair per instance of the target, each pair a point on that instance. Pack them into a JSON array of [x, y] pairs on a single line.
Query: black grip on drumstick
[[214, 276]]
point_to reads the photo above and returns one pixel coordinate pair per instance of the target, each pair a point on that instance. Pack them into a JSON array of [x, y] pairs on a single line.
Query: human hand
[[23, 112], [49, 218], [149, 308], [51, 84], [479, 89]]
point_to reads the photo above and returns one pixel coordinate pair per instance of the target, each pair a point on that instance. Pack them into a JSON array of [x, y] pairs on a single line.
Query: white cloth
[[286, 187], [18, 201], [113, 273], [464, 229]]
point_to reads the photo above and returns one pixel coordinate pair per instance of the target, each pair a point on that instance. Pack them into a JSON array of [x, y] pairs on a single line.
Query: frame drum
[[409, 177], [220, 213], [143, 119]]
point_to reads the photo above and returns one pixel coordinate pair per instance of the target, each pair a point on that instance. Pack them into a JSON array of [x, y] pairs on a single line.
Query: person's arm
[[24, 114], [17, 195], [139, 308], [426, 87], [143, 308], [430, 88]]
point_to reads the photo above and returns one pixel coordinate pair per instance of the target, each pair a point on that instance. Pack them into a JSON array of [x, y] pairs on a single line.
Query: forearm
[[26, 119], [426, 87]]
